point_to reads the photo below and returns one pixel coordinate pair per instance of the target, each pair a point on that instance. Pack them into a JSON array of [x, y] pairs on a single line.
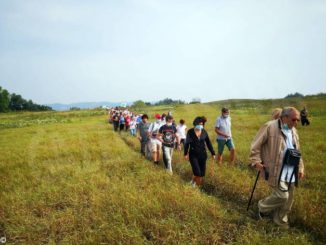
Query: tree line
[[166, 101], [15, 102]]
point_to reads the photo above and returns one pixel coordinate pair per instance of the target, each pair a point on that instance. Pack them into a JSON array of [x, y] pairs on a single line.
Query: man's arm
[[150, 129], [219, 132], [160, 134], [138, 132]]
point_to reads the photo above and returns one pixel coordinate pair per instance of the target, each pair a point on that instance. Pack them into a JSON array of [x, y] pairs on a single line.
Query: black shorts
[[198, 164]]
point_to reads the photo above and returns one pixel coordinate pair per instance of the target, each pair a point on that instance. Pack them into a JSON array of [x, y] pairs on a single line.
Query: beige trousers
[[279, 202]]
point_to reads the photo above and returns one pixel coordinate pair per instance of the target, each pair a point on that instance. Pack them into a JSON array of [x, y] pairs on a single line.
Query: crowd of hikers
[[164, 135], [274, 152]]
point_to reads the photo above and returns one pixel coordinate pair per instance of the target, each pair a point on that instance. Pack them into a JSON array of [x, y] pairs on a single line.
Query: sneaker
[[280, 224], [194, 185]]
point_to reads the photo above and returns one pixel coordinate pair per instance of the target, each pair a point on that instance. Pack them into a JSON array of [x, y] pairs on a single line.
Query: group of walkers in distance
[[161, 135], [164, 135], [275, 151]]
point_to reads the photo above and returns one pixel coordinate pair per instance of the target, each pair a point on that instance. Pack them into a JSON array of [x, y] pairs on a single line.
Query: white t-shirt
[[223, 124], [154, 127], [181, 131], [133, 124], [288, 170]]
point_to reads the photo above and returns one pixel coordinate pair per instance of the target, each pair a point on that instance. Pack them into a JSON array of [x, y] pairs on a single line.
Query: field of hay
[[67, 178]]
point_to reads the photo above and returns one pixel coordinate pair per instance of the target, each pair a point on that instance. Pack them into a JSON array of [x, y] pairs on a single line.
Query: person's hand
[[301, 175], [186, 157], [139, 138], [259, 166], [214, 157]]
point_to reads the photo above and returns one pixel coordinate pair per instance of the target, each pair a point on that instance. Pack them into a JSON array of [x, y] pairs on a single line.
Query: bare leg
[[157, 154], [201, 181], [232, 155], [193, 178], [154, 156], [219, 159], [198, 180]]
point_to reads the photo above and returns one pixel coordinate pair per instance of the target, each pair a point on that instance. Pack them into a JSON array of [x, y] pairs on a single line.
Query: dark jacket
[[195, 146]]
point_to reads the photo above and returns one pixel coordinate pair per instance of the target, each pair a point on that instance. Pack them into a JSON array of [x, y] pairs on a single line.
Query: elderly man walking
[[269, 154]]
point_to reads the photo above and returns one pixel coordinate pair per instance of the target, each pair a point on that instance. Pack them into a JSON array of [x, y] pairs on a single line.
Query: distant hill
[[298, 101], [314, 103], [85, 105]]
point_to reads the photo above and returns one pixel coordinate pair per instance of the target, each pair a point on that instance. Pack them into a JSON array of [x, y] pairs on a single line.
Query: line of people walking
[[163, 136], [124, 120], [275, 151]]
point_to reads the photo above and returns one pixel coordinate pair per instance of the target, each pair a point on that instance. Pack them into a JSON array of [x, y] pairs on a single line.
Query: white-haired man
[[267, 154]]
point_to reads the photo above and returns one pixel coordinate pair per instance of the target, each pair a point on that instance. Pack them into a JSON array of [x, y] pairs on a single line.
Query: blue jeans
[[167, 157], [133, 131]]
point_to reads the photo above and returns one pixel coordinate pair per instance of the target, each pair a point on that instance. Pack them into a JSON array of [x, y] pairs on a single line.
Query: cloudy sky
[[124, 50]]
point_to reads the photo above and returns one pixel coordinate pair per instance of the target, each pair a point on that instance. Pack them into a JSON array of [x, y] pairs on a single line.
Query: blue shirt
[[224, 125]]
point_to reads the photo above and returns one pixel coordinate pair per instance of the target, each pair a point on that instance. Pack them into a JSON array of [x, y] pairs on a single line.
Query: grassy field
[[67, 178]]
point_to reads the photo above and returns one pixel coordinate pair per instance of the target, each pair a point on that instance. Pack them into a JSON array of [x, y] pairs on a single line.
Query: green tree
[[195, 101], [295, 95], [168, 101], [16, 102], [139, 104], [4, 100]]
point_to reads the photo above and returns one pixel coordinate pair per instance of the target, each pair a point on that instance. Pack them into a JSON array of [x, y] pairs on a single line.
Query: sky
[[127, 50]]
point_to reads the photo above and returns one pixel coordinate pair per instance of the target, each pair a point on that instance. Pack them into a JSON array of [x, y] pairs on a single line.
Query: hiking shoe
[[283, 226], [261, 215]]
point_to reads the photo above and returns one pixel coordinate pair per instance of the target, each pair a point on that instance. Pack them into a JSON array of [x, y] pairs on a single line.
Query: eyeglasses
[[295, 120]]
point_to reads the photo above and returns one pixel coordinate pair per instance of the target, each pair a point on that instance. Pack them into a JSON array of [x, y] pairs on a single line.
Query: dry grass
[[76, 182]]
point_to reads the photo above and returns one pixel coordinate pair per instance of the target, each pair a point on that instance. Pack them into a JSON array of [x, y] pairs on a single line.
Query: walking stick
[[253, 190]]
